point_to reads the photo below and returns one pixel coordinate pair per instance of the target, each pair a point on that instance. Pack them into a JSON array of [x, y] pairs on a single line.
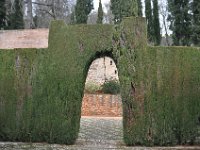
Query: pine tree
[[100, 13], [149, 19], [156, 23], [196, 22], [82, 10], [2, 14], [16, 18], [123, 8], [139, 8], [180, 21]]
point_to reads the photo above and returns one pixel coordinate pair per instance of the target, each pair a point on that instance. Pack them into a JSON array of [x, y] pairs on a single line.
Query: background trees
[[156, 23], [180, 18], [153, 21], [100, 13], [15, 19], [82, 10], [123, 8], [196, 22], [149, 19], [2, 14]]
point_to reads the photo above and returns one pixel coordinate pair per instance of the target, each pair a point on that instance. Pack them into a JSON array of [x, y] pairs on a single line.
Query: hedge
[[41, 90]]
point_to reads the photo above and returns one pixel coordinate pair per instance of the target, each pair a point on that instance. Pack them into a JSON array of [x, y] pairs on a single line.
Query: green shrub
[[92, 87], [111, 87]]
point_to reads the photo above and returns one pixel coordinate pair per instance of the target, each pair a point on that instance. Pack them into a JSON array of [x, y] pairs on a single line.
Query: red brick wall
[[105, 105]]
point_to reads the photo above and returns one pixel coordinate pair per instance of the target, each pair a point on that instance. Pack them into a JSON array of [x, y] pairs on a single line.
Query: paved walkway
[[101, 128]]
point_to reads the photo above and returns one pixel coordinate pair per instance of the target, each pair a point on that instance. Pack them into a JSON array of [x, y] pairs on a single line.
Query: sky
[[96, 3]]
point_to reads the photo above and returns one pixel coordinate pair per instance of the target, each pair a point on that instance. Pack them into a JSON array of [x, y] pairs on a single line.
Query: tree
[[139, 8], [164, 13], [100, 13], [116, 10], [156, 23], [30, 22], [82, 10], [47, 10], [16, 17], [180, 21], [149, 19], [196, 22], [122, 8], [2, 14]]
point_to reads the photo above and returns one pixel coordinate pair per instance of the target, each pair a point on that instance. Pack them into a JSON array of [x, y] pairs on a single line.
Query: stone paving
[[101, 128], [95, 134]]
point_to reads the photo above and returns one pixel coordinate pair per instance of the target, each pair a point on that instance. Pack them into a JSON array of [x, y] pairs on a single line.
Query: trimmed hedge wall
[[41, 90]]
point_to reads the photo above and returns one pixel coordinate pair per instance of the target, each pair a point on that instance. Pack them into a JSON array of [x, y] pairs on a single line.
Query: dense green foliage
[[149, 20], [2, 14], [180, 21], [139, 8], [100, 13], [111, 87], [196, 22], [123, 8], [15, 19], [116, 10], [82, 10], [41, 91], [159, 89], [153, 22], [156, 23]]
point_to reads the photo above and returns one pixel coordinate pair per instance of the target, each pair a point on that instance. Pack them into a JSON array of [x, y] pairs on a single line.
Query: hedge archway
[[41, 94]]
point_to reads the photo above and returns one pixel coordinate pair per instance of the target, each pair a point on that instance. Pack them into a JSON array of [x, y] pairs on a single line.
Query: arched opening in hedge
[[102, 90], [101, 103], [102, 87]]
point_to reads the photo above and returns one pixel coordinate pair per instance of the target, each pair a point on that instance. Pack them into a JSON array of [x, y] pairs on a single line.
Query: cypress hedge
[[41, 90]]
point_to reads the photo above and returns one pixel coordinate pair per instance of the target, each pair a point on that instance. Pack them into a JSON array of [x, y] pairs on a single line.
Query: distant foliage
[[15, 19], [139, 2], [121, 9], [196, 22], [111, 87], [153, 22], [2, 14], [100, 13], [156, 23], [180, 19], [82, 10], [149, 20]]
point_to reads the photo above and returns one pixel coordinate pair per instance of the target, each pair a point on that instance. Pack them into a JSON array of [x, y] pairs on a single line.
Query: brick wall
[[105, 105]]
